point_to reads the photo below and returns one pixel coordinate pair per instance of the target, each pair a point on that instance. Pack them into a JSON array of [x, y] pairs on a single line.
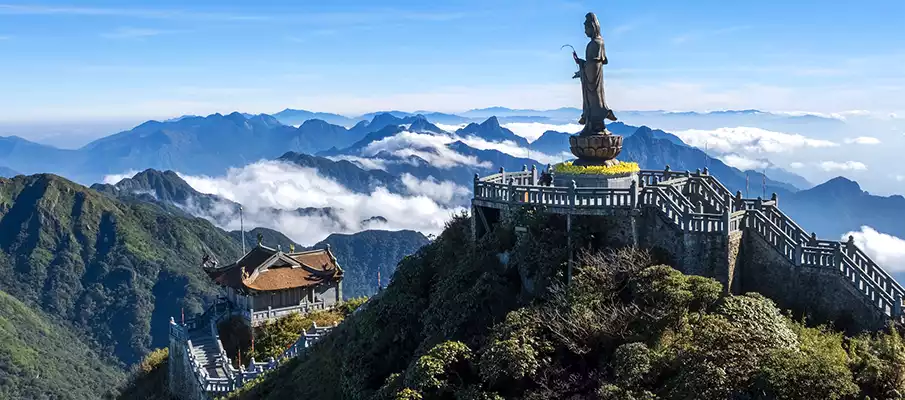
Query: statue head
[[591, 25]]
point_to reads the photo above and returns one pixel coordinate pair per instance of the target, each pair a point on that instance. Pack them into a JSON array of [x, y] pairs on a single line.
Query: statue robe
[[594, 109]]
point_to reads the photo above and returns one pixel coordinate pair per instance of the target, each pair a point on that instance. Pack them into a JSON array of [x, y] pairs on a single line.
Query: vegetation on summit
[[491, 320]]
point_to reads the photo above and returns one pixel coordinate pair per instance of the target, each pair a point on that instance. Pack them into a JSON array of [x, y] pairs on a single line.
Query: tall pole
[[764, 183], [747, 187], [242, 228]]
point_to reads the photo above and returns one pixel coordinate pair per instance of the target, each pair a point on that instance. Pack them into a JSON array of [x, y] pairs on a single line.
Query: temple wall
[[329, 294]]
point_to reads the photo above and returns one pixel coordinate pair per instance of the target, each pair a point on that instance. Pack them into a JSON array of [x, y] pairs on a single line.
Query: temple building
[[267, 283]]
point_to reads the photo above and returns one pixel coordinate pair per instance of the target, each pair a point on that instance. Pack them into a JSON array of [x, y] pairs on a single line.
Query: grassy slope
[[43, 360], [116, 271]]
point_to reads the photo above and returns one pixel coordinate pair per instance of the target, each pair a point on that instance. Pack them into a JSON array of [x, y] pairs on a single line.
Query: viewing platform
[[747, 244]]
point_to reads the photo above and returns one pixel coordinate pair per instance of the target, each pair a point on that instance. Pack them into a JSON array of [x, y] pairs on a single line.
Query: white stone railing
[[238, 377], [257, 317], [663, 191], [845, 258]]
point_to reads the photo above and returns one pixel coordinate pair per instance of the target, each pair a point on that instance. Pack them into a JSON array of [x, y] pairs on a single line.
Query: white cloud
[[796, 165], [363, 162], [830, 166], [445, 192], [134, 33], [115, 178], [271, 191], [863, 140], [886, 250], [749, 140], [533, 130], [899, 178], [431, 148], [450, 128], [511, 148], [743, 163]]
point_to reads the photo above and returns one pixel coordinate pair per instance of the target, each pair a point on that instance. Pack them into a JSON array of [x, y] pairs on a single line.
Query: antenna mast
[[242, 228]]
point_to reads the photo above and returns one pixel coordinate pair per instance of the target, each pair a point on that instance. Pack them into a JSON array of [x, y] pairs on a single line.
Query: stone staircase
[[206, 351], [843, 259]]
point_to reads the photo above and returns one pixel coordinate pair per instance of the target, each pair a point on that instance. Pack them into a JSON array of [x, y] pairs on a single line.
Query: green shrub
[[441, 368], [817, 369]]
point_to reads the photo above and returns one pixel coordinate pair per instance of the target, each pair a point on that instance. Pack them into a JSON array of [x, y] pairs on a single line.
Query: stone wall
[[735, 262], [821, 294], [182, 382], [662, 239]]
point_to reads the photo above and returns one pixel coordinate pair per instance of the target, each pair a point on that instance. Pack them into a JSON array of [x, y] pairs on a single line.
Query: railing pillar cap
[[667, 167], [851, 239], [706, 171], [534, 167], [502, 170], [524, 167]]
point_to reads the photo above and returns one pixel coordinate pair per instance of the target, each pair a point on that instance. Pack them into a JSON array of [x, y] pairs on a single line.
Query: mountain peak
[[839, 185], [492, 122]]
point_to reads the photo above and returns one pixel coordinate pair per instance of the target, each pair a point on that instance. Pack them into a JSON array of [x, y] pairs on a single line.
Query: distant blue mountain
[[491, 130], [7, 173], [298, 117], [192, 145], [561, 114], [675, 121], [654, 153], [839, 205]]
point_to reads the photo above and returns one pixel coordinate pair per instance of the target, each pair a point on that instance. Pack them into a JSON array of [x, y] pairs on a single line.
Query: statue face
[[588, 29]]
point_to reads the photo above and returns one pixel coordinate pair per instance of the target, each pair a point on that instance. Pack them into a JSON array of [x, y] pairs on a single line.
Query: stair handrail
[[866, 265], [719, 199]]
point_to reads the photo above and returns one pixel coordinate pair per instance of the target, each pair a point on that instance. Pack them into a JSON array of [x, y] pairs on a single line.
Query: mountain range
[[362, 158]]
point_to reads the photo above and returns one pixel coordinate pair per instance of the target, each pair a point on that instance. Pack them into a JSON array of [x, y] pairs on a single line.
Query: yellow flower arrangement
[[618, 169]]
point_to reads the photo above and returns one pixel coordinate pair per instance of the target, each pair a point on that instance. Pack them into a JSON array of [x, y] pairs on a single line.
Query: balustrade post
[[533, 174], [727, 218], [759, 205], [510, 192], [837, 257], [739, 205], [897, 305], [775, 199], [476, 180], [850, 246], [798, 252], [634, 193], [666, 173], [571, 194], [697, 172], [502, 175], [706, 171]]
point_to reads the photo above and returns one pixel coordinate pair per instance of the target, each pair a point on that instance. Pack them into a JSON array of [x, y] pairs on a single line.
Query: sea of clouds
[[266, 186]]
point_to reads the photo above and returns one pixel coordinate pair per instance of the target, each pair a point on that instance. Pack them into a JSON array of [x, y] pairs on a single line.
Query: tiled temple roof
[[266, 269]]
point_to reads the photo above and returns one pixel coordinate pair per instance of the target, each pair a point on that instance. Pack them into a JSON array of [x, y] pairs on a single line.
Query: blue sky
[[105, 59]]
